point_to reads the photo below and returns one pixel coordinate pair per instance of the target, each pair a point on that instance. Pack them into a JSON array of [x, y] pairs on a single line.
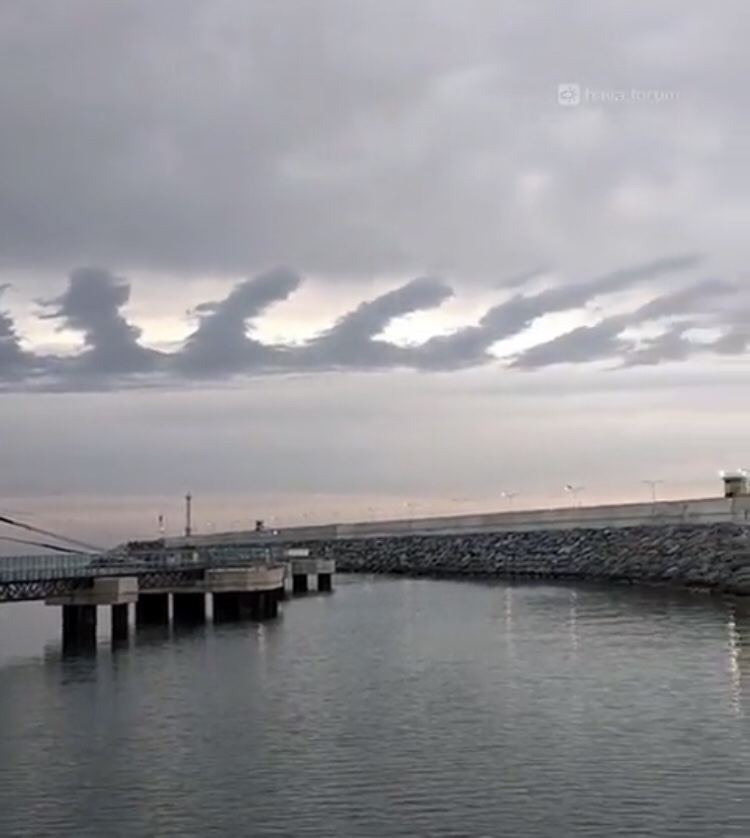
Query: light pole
[[188, 515], [653, 484], [509, 497], [575, 491]]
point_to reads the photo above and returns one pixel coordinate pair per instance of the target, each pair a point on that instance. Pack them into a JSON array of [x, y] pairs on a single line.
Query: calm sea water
[[390, 708]]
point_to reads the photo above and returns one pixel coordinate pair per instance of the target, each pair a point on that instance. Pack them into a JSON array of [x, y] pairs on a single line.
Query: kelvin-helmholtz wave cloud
[[683, 315]]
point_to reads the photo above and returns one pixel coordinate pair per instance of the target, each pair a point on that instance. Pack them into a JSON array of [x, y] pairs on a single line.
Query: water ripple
[[393, 708]]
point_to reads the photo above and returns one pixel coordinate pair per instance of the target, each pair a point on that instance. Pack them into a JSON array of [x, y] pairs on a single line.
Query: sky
[[321, 260]]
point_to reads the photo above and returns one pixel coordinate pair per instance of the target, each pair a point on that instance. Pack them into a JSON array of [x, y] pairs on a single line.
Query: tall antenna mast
[[188, 515]]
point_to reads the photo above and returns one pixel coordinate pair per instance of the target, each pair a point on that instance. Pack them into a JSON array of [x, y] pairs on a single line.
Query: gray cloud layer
[[362, 138], [220, 347]]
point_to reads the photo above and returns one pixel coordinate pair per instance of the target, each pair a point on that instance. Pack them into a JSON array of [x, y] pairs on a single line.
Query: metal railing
[[47, 567]]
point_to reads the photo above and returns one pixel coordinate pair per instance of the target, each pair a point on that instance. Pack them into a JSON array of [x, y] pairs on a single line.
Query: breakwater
[[694, 543], [712, 557]]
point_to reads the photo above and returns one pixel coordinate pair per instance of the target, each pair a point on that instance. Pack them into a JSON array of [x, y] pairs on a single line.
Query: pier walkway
[[242, 583]]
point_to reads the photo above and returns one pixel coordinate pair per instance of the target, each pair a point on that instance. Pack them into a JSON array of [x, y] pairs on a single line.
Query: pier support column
[[271, 605], [120, 623], [189, 609], [299, 583], [266, 605], [226, 607], [245, 605], [244, 592], [152, 610], [325, 582], [79, 627], [250, 604]]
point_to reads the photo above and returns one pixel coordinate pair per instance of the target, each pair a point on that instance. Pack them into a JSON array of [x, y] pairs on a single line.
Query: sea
[[389, 708]]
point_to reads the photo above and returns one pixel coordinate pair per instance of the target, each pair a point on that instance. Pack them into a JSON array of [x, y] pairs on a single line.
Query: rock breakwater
[[712, 557]]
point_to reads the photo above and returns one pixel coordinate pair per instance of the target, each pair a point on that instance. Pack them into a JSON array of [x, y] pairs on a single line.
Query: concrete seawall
[[703, 511], [713, 557], [694, 543]]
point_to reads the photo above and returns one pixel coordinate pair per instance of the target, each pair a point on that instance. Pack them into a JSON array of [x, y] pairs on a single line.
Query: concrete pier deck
[[252, 592]]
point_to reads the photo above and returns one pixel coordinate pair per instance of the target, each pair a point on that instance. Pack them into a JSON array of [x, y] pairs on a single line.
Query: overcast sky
[[316, 259]]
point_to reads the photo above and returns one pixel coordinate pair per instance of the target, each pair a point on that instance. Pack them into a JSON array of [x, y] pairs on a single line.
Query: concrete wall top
[[245, 579], [251, 537], [311, 566], [695, 511], [704, 511], [109, 590]]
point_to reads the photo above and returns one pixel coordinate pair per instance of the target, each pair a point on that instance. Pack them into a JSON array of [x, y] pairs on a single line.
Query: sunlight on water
[[735, 673]]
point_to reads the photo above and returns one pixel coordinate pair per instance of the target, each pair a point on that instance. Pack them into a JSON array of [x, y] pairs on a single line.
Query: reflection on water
[[392, 708], [509, 619], [574, 620], [735, 670], [738, 635]]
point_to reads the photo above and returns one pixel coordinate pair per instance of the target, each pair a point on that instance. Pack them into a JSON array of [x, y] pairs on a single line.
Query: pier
[[162, 588]]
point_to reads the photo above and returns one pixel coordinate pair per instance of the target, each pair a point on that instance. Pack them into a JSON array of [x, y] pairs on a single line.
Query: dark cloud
[[734, 341], [733, 323], [222, 344], [13, 360], [469, 346], [92, 305], [353, 341], [672, 345], [604, 340], [582, 345]]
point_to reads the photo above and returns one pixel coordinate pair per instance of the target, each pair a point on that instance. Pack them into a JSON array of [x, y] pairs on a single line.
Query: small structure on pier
[[736, 483], [302, 566]]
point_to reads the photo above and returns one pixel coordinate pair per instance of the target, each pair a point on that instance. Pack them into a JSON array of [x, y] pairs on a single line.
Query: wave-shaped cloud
[[219, 347]]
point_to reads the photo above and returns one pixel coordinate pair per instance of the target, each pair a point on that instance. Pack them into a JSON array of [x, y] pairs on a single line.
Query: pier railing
[[48, 567]]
